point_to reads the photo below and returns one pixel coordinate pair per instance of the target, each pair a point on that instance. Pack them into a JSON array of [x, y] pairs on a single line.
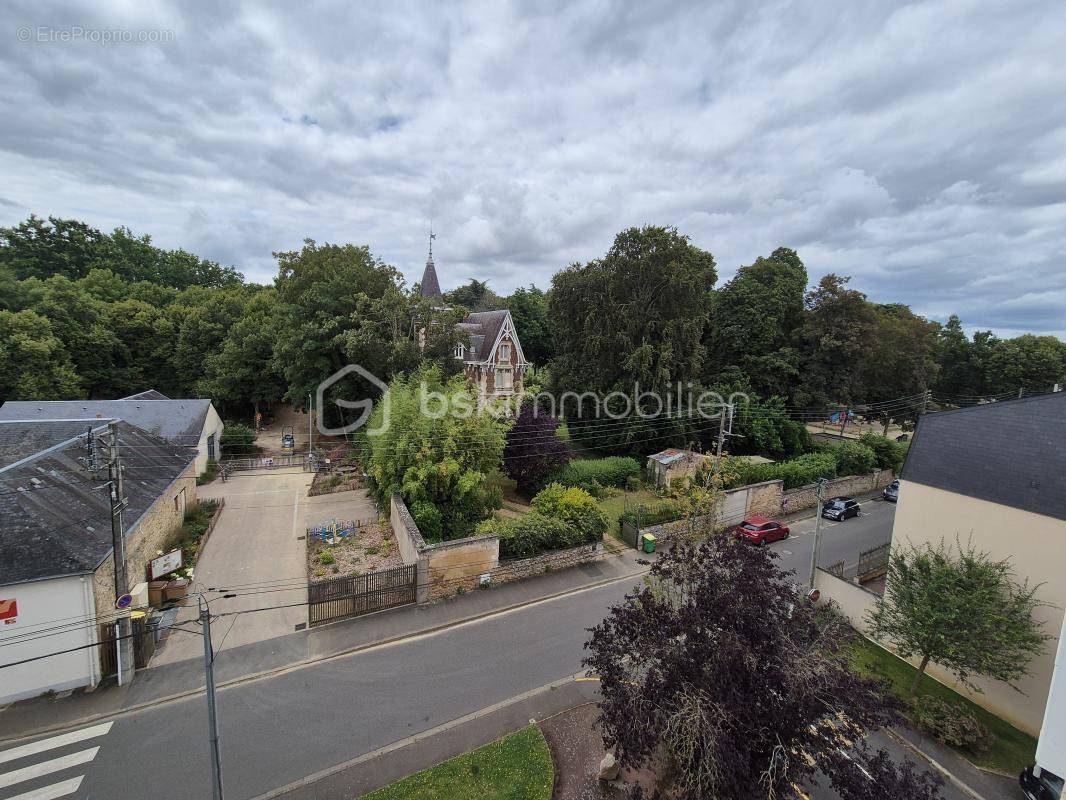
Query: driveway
[[258, 546]]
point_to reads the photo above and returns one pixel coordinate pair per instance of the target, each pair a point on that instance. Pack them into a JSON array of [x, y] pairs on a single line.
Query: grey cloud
[[916, 147]]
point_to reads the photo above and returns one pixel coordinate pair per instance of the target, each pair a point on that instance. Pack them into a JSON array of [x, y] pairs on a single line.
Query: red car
[[760, 530]]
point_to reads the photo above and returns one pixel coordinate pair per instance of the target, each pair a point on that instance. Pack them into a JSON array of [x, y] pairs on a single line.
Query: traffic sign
[[124, 602]]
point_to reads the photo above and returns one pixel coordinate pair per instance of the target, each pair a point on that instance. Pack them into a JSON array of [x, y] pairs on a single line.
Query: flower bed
[[371, 548]]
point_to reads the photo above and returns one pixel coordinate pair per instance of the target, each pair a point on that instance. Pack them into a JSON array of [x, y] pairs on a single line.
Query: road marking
[[52, 791], [295, 509], [56, 741], [47, 767]]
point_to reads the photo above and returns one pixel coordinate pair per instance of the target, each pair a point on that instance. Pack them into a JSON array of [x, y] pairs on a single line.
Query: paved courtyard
[[257, 549]]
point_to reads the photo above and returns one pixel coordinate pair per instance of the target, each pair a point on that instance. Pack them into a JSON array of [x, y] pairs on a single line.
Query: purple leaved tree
[[534, 450]]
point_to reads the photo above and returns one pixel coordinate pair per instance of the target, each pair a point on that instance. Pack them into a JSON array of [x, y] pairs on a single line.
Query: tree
[[854, 458], [534, 450], [631, 320], [36, 367], [900, 361], [956, 373], [718, 676], [1028, 362], [202, 318], [529, 310], [475, 296], [753, 319], [959, 608], [436, 451], [836, 334], [763, 427]]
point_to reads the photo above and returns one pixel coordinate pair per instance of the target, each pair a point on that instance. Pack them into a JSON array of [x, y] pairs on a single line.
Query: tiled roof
[[177, 421], [1012, 453], [54, 518], [430, 284]]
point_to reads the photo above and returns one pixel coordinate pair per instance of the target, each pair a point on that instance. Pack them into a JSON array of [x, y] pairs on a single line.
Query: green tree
[[1028, 362], [634, 318], [202, 318], [39, 249], [835, 336], [146, 335], [960, 608], [36, 367], [529, 310], [242, 373], [437, 457], [753, 320], [956, 374], [901, 358], [475, 296]]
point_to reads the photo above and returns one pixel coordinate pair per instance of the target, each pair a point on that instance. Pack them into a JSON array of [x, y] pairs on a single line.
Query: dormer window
[[505, 351], [460, 350]]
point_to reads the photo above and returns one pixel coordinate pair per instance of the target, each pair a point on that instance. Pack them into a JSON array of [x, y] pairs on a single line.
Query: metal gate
[[340, 598]]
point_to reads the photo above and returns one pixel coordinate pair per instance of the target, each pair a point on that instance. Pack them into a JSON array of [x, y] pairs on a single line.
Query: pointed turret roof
[[430, 284]]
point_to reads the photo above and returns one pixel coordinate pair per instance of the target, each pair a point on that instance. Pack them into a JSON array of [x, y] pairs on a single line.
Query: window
[[505, 351], [504, 379], [460, 350]]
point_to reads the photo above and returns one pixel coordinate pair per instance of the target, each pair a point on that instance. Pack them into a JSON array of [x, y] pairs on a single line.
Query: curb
[[307, 662], [935, 764]]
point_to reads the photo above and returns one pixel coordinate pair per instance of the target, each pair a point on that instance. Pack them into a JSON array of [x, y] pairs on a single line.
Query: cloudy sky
[[920, 148]]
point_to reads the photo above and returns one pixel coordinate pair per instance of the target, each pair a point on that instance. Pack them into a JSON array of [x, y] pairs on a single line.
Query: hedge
[[588, 473], [889, 453], [801, 471], [561, 518], [655, 515]]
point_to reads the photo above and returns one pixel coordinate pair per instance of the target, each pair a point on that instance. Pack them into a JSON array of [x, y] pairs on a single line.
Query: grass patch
[[617, 505], [1012, 751], [516, 767]]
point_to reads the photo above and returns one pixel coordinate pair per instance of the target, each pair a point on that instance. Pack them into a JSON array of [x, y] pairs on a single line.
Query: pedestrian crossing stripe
[[53, 792], [62, 740], [49, 766]]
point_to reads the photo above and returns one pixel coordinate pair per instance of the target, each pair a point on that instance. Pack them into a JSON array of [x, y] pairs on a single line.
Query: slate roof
[[54, 518], [1012, 453], [150, 394], [430, 284], [177, 421]]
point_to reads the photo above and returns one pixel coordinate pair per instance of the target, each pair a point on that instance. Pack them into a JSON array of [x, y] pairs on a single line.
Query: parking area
[[258, 549]]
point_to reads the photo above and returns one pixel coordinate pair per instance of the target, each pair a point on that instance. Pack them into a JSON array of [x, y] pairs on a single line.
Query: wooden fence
[[340, 598]]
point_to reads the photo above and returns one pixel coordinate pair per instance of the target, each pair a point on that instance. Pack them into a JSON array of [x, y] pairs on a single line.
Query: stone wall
[[519, 568], [764, 499], [807, 496], [145, 539]]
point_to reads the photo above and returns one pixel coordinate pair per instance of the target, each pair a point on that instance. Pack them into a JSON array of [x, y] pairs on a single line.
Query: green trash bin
[[649, 542]]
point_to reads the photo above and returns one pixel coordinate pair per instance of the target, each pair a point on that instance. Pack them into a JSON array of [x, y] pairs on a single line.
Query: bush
[[800, 471], [633, 484], [531, 534], [664, 512], [592, 472], [209, 473], [574, 506], [326, 558], [237, 439], [429, 520], [951, 724], [854, 458], [889, 453]]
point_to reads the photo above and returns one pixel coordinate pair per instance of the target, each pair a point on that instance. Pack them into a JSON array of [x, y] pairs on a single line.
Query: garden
[[338, 548]]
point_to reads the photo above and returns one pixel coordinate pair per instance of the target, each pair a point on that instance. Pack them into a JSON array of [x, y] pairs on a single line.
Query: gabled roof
[[177, 421], [1012, 453], [485, 329], [148, 394], [55, 520]]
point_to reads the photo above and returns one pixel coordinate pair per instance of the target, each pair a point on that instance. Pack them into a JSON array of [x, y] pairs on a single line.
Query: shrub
[[209, 473], [531, 534], [326, 558], [854, 458], [429, 520], [574, 506], [633, 484], [951, 724], [800, 471], [889, 453], [237, 439], [612, 471], [655, 515]]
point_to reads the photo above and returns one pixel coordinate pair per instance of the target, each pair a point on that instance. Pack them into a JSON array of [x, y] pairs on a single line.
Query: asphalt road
[[280, 729]]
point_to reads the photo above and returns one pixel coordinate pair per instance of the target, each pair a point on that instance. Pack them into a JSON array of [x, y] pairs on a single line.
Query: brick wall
[[145, 540]]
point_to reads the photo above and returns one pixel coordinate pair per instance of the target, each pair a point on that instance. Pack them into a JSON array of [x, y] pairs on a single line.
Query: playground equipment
[[330, 532]]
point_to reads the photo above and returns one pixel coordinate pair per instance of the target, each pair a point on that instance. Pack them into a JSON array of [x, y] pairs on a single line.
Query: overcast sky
[[920, 148]]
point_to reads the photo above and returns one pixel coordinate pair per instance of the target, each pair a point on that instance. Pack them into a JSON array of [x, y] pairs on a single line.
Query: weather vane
[[432, 236]]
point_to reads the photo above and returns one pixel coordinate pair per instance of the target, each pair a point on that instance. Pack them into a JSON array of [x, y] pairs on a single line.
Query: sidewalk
[[237, 664], [976, 782]]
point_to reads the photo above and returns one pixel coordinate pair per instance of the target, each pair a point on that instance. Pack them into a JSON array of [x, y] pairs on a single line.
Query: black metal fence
[[340, 598]]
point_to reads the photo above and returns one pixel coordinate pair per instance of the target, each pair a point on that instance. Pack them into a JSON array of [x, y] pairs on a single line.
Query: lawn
[[617, 504], [1012, 751], [516, 767]]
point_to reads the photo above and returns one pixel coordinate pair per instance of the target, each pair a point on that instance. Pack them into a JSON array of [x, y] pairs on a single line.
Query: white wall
[[40, 603], [212, 425], [1051, 749]]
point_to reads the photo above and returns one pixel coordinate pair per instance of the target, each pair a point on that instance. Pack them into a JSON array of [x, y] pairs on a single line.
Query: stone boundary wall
[[519, 568], [807, 496], [461, 565]]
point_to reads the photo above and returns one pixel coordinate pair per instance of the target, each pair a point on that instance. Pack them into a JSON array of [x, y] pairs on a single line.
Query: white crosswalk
[[49, 766]]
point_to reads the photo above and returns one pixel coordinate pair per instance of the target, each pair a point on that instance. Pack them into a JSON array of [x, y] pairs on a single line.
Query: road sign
[[165, 564], [124, 602]]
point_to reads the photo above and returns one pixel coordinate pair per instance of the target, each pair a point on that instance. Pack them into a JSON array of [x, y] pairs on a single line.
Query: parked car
[[840, 509], [760, 530], [891, 492], [1039, 784]]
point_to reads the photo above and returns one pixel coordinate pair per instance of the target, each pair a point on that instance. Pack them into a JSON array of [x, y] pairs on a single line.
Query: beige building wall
[[145, 540], [1036, 546]]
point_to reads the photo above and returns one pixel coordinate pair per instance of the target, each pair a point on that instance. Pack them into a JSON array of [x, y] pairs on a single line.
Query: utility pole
[[123, 628], [721, 434], [310, 428], [817, 530], [212, 719]]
